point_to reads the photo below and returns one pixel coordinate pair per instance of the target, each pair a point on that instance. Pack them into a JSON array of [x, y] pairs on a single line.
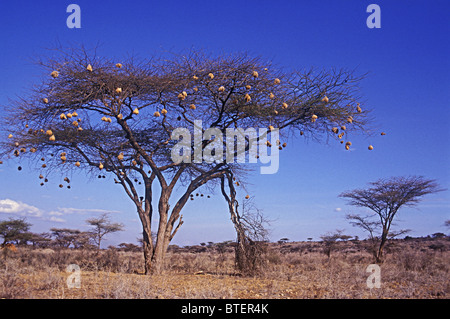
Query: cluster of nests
[[221, 89], [208, 196], [63, 158], [340, 134], [335, 130], [197, 194], [66, 179], [64, 116], [280, 146], [89, 68]]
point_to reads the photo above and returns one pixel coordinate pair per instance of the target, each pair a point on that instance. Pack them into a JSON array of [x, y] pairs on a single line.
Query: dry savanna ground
[[415, 268]]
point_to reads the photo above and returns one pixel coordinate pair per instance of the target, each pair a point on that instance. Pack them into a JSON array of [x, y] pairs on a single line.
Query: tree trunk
[[163, 237], [379, 257], [148, 250], [157, 262]]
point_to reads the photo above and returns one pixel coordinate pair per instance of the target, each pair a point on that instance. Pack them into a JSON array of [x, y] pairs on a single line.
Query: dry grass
[[294, 270]]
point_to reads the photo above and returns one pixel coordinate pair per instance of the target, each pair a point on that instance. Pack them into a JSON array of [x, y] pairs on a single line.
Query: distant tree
[[83, 239], [103, 226], [447, 223], [385, 197], [13, 230], [23, 238], [65, 238], [41, 240], [128, 247], [330, 239]]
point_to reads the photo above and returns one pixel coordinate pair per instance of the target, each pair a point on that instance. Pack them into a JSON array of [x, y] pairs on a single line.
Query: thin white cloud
[[82, 211], [338, 209], [9, 206], [54, 213], [56, 219]]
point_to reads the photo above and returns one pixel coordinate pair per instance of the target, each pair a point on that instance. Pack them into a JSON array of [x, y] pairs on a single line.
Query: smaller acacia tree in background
[[103, 226], [385, 198], [66, 238], [13, 230], [329, 239]]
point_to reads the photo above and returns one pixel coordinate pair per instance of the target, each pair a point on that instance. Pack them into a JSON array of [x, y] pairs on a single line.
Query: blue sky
[[407, 88]]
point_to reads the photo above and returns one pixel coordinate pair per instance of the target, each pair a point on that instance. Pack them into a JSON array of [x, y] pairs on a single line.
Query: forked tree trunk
[[154, 257]]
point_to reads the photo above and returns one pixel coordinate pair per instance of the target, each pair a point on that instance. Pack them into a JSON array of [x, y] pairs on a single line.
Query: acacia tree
[[13, 230], [330, 239], [103, 226], [65, 237], [95, 114], [385, 197]]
